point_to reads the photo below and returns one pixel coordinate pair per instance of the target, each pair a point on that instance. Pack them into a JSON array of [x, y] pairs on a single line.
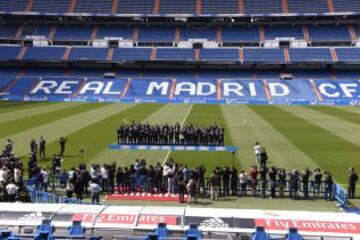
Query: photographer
[[353, 178], [243, 179], [263, 157], [263, 172], [294, 184], [234, 181], [272, 181], [253, 178], [282, 182], [257, 150], [329, 184], [317, 182], [214, 185], [62, 143], [305, 176]]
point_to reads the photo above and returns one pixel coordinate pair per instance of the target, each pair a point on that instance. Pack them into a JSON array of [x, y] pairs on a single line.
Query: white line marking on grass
[[181, 125], [242, 123]]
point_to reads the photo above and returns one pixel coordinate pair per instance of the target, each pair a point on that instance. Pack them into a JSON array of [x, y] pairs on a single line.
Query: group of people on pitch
[[297, 180], [168, 178], [168, 134]]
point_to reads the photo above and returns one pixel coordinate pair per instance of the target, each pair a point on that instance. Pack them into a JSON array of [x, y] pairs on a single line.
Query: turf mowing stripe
[[343, 129], [246, 127], [170, 113], [96, 137], [14, 115], [353, 109], [23, 124], [53, 130], [205, 115], [338, 113], [327, 150], [16, 106], [181, 125]]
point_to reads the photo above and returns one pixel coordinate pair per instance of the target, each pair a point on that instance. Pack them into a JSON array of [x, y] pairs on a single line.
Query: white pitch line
[[181, 126]]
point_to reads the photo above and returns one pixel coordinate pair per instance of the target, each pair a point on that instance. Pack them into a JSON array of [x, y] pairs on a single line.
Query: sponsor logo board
[[128, 219], [310, 225]]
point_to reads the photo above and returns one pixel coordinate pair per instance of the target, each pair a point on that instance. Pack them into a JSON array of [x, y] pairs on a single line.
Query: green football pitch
[[294, 136]]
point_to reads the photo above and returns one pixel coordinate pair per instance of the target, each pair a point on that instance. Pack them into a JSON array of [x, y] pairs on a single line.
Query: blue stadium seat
[[161, 231], [240, 34], [73, 32], [283, 32], [348, 54], [264, 55], [156, 34], [260, 234], [193, 232], [23, 85], [198, 33], [329, 33], [262, 6], [88, 53], [9, 52], [45, 226], [5, 234], [293, 235], [115, 32], [180, 7], [5, 81], [44, 53], [346, 5], [219, 7], [76, 230], [42, 30], [8, 30], [219, 54], [136, 6], [94, 6], [181, 54], [307, 6], [13, 5], [44, 231], [56, 6], [310, 55], [122, 54]]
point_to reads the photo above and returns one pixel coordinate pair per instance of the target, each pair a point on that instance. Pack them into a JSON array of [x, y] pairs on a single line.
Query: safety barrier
[[38, 196]]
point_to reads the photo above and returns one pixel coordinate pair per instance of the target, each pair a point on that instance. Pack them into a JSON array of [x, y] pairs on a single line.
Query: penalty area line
[[181, 126]]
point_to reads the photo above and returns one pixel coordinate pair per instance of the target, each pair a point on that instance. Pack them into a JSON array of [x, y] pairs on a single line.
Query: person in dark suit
[[62, 142]]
